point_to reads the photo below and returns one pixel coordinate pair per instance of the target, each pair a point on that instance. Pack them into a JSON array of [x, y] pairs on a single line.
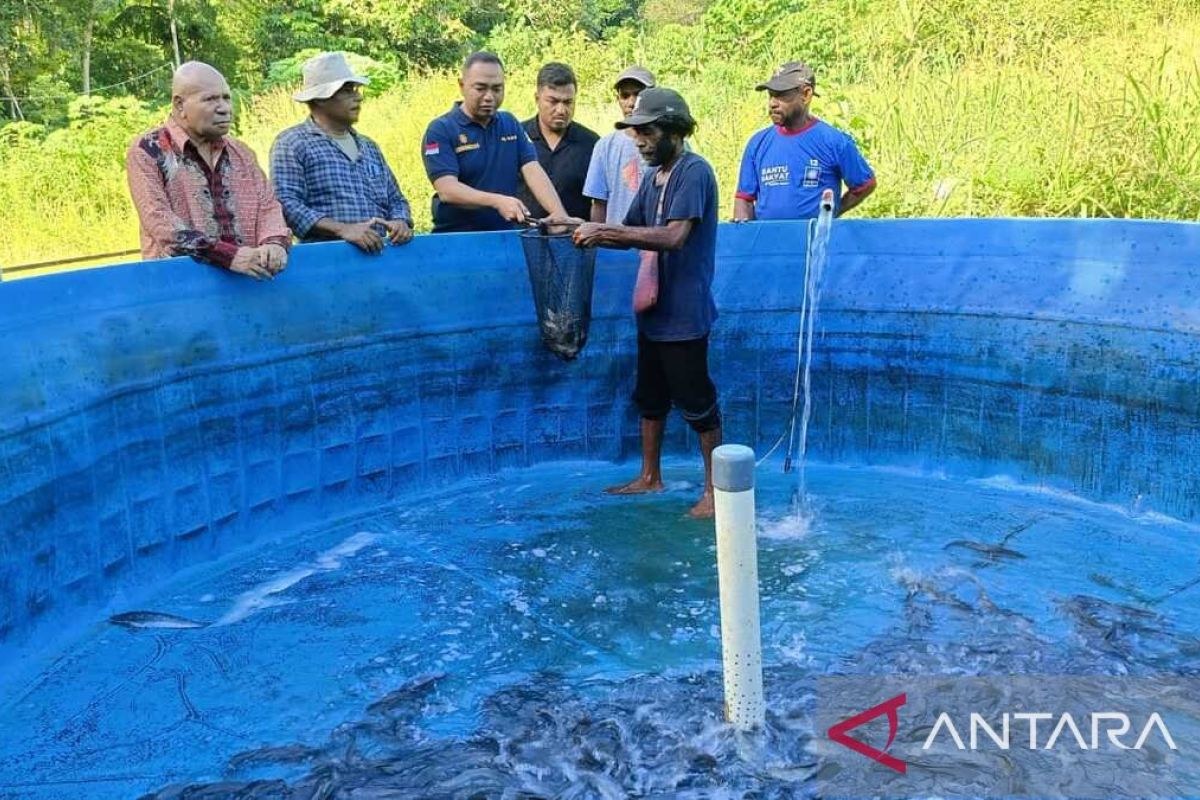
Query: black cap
[[792, 75], [637, 74], [654, 104]]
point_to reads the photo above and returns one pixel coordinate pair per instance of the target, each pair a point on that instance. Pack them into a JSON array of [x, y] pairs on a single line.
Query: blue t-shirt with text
[[784, 172], [488, 158], [685, 308]]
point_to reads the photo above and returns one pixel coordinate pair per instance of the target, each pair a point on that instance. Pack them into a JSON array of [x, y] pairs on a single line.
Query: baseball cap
[[792, 75], [636, 73], [654, 104]]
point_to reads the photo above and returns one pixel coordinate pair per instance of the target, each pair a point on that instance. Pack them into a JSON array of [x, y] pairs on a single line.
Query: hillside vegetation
[[991, 108]]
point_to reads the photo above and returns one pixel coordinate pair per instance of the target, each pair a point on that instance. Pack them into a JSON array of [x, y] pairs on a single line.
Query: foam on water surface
[[497, 637]]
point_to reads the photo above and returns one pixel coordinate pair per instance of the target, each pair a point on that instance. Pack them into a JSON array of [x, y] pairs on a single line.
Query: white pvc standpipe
[[737, 568]]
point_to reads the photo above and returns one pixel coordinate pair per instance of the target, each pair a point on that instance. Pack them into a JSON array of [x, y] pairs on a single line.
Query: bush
[[47, 101], [16, 135], [745, 29]]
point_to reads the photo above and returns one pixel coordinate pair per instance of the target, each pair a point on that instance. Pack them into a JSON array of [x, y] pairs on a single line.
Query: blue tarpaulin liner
[[561, 276], [157, 415]]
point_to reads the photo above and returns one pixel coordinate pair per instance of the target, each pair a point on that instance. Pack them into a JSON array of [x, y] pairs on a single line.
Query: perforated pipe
[[737, 569]]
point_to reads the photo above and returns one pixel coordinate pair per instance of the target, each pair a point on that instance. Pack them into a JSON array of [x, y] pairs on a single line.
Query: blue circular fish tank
[[343, 534]]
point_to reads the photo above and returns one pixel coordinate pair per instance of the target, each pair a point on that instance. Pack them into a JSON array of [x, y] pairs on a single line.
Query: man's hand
[[362, 234], [560, 223], [399, 231], [589, 234], [249, 261], [511, 209], [743, 210], [274, 257]]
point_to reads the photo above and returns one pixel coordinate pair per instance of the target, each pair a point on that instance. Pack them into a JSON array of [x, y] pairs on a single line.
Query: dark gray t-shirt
[[685, 308]]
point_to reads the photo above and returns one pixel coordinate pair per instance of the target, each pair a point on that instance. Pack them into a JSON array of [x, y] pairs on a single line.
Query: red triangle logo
[[890, 707]]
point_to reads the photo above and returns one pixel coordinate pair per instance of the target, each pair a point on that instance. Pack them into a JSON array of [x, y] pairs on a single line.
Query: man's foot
[[639, 485], [704, 508]]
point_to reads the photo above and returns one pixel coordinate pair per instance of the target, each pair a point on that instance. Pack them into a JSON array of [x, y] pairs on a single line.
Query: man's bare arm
[[671, 236]]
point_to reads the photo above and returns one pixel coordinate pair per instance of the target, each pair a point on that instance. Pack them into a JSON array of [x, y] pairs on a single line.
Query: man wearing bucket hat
[[786, 167], [675, 214], [332, 180], [615, 173]]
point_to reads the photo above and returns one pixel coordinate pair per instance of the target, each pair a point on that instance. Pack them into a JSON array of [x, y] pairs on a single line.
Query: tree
[[99, 12]]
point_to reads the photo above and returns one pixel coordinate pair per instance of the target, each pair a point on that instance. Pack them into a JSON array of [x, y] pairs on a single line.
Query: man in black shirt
[[564, 148]]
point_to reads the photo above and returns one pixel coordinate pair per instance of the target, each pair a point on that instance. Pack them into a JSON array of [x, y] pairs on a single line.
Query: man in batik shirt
[[199, 192]]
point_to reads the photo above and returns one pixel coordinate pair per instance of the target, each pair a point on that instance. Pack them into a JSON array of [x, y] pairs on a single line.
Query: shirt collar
[[180, 138], [535, 130], [311, 127], [462, 117], [812, 120]]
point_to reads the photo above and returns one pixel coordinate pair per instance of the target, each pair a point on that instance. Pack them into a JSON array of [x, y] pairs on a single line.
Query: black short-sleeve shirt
[[567, 166]]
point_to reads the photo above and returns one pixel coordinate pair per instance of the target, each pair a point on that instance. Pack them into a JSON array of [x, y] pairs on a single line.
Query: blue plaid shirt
[[313, 179]]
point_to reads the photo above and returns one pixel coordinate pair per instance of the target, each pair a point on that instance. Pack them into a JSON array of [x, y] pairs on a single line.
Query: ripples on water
[[648, 736], [532, 638]]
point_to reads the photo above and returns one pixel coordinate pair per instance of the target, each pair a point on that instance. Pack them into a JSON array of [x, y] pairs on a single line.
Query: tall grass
[[1090, 119]]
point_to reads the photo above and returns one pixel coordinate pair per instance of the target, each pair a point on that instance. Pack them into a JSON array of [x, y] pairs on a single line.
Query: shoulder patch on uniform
[[432, 148]]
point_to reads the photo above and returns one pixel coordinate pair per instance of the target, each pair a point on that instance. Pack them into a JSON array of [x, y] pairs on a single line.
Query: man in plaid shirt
[[332, 180]]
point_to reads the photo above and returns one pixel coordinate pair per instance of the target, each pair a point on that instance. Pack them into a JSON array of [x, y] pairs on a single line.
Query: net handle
[[545, 223]]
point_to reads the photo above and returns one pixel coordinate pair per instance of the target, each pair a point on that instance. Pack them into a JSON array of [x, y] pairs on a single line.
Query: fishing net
[[560, 275]]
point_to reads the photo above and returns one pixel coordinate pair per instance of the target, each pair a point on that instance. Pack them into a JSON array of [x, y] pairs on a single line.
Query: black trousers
[[676, 373]]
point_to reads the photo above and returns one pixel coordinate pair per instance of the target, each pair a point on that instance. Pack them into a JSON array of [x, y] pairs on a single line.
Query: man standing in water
[[675, 214], [475, 153], [787, 166]]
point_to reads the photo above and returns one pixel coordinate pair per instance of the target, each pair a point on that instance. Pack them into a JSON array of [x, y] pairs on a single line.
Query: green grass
[[1071, 116]]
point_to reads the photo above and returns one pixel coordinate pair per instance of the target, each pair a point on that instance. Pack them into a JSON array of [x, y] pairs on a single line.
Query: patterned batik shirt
[[187, 208]]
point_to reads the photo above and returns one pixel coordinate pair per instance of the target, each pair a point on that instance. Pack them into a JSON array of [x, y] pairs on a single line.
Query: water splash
[[816, 257], [793, 525]]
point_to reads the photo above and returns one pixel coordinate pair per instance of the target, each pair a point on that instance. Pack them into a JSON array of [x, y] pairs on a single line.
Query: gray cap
[[636, 73], [654, 104], [792, 75]]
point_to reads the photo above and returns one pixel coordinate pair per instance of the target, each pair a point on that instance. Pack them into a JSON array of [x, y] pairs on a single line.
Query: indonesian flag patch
[[432, 148]]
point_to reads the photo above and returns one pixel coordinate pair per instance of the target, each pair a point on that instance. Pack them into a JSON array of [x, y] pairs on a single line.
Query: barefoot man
[[674, 214]]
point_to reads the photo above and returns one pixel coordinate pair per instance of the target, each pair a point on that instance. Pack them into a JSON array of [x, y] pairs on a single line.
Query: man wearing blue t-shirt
[[475, 153], [786, 167], [675, 214]]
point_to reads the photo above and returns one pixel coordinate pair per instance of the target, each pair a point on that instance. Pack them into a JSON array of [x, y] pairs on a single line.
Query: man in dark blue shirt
[[475, 153], [675, 214]]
